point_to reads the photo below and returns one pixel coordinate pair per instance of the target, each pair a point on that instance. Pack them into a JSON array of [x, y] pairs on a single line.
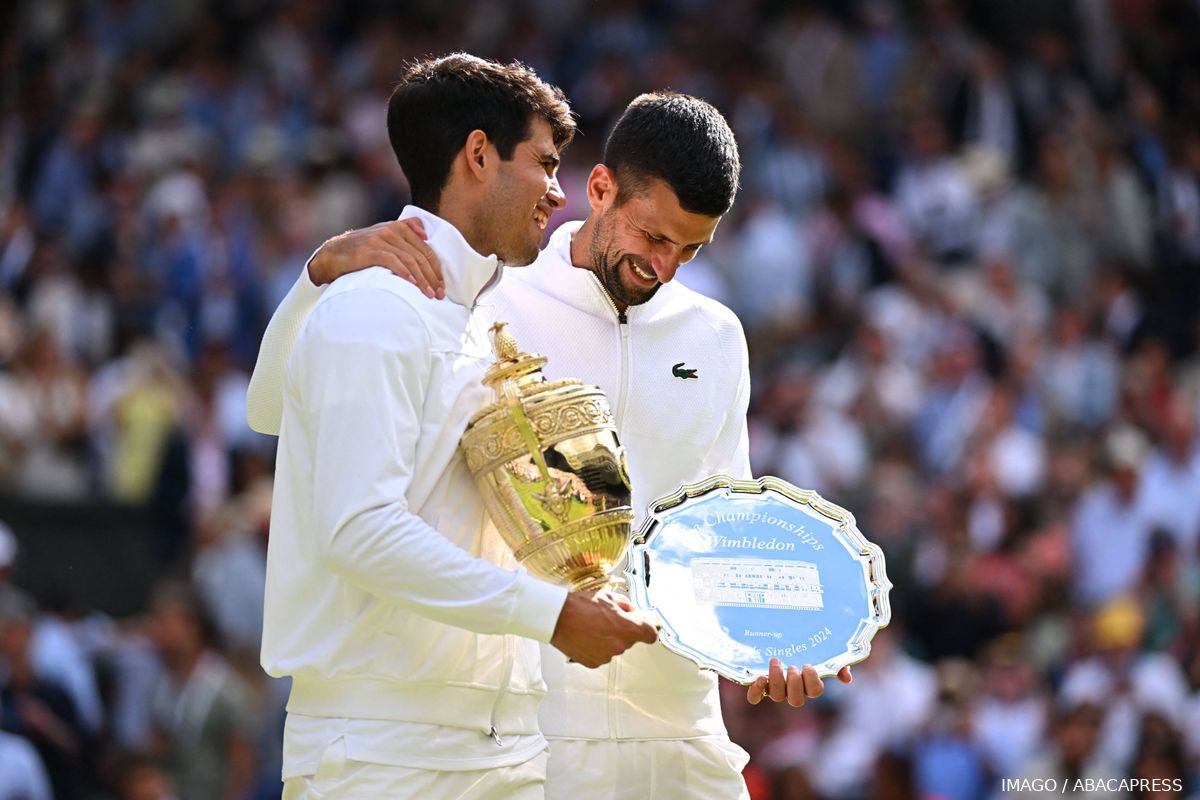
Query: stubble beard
[[608, 267]]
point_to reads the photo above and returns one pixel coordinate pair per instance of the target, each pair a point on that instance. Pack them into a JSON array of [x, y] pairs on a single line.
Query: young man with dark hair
[[600, 303], [390, 601], [438, 101]]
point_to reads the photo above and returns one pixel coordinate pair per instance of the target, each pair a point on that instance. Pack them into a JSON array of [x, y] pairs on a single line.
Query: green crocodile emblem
[[679, 372]]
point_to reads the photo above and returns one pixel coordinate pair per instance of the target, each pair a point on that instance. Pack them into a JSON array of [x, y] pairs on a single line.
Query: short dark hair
[[440, 101], [681, 140]]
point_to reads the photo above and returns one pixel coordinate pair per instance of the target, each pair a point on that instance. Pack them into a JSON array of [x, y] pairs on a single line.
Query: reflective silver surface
[[740, 572]]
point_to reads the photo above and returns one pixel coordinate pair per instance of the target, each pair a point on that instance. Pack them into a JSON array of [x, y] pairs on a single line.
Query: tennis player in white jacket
[[600, 303], [395, 607]]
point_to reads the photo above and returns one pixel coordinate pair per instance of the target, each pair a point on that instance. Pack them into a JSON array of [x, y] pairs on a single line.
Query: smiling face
[[522, 195], [637, 245]]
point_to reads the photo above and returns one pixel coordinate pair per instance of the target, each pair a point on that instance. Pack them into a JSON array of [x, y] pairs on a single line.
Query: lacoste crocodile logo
[[679, 372]]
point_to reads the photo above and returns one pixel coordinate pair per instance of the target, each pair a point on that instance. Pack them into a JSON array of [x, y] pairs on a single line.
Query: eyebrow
[[550, 157]]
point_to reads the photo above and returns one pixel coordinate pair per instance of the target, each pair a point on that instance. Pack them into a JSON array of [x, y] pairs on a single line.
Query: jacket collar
[[466, 272], [560, 240]]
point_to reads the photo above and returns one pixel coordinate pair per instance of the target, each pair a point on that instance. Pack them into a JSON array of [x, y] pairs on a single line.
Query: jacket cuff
[[537, 607], [306, 280]]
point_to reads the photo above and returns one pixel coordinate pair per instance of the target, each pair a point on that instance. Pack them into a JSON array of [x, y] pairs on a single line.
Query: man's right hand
[[398, 245], [594, 627]]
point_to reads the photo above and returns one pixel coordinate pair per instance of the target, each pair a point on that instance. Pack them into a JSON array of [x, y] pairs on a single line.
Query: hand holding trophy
[[736, 572]]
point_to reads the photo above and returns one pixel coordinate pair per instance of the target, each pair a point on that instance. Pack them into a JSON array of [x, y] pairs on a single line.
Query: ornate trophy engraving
[[740, 572], [546, 457]]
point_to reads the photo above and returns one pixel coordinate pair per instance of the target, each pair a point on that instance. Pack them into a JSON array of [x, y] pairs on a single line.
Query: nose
[[554, 195], [665, 266]]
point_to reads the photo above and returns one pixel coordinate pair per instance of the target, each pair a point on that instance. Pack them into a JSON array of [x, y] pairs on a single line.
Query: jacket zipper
[[492, 281], [623, 327], [494, 732], [614, 666]]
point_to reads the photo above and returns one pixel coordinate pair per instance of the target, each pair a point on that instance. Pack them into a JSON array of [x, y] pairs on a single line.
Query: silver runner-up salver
[[740, 572]]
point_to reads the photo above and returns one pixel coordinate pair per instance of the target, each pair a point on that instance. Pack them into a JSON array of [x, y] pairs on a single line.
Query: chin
[[639, 290], [520, 257], [637, 296]]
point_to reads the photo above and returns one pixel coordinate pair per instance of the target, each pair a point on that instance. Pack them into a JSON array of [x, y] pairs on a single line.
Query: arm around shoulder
[[264, 397]]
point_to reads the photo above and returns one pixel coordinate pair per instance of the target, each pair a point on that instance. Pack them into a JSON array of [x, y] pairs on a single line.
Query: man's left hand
[[798, 685]]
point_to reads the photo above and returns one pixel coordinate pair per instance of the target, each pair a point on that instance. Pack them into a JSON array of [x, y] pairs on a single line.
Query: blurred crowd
[[966, 254]]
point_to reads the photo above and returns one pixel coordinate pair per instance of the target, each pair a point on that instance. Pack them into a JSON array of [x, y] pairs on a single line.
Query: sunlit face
[[638, 245], [524, 193]]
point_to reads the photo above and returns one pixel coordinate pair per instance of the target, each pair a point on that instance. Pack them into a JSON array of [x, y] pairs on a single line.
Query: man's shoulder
[[373, 280], [690, 308], [371, 305]]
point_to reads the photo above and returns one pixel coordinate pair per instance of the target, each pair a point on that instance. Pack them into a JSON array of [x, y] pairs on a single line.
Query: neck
[[581, 256], [464, 215]]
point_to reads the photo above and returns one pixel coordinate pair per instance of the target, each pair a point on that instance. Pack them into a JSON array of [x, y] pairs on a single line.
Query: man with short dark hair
[[410, 637], [437, 102], [667, 153], [600, 303]]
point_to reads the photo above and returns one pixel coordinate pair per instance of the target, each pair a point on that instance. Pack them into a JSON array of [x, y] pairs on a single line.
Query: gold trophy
[[546, 458]]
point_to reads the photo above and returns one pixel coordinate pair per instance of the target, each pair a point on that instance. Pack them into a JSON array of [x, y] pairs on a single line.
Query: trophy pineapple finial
[[503, 343]]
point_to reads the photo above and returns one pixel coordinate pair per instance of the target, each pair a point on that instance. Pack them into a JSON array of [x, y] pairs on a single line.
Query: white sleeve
[[264, 398], [358, 382], [730, 453]]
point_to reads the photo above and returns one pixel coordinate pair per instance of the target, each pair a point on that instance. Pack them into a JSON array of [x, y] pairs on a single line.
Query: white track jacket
[[388, 596], [676, 428]]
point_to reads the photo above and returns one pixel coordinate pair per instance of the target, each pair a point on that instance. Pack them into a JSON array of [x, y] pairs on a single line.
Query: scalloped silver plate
[[740, 572]]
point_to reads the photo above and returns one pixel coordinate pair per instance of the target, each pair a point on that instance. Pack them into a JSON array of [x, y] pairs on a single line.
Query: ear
[[478, 154], [601, 188]]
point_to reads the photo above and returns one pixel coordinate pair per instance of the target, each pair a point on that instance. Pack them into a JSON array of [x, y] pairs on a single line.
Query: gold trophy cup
[[546, 458]]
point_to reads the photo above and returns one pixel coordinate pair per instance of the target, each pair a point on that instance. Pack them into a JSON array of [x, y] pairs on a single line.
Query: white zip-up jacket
[[676, 429], [389, 596]]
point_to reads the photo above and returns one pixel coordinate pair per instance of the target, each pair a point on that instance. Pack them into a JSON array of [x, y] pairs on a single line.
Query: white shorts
[[709, 768], [338, 778]]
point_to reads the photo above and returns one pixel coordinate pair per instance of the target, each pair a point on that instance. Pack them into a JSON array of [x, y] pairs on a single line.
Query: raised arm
[[398, 245]]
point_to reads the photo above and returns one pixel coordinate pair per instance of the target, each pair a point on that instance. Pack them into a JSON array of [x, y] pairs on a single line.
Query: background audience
[[966, 254]]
